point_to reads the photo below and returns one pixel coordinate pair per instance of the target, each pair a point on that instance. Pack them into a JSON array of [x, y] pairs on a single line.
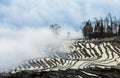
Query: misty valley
[[59, 39]]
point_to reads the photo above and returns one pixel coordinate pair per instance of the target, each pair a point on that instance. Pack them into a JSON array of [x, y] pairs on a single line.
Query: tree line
[[101, 28]]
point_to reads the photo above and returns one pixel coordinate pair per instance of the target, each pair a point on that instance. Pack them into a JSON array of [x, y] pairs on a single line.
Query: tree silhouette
[[119, 30], [88, 29], [55, 29], [107, 27]]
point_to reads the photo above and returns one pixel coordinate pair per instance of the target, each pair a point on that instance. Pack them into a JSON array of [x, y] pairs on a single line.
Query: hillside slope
[[87, 57]]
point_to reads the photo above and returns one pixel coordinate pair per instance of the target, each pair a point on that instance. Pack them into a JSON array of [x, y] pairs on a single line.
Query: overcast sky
[[39, 13], [23, 24]]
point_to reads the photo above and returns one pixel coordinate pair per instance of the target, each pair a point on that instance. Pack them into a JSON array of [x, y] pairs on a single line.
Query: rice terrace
[[59, 39]]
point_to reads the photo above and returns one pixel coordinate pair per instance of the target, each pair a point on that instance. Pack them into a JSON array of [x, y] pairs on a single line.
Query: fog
[[18, 45]]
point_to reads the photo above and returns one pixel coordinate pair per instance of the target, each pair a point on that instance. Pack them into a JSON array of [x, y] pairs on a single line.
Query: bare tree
[[106, 23], [55, 29], [115, 25], [68, 34], [111, 23]]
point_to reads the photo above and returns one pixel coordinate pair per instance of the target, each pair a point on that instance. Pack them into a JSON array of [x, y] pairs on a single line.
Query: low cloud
[[17, 45], [24, 32]]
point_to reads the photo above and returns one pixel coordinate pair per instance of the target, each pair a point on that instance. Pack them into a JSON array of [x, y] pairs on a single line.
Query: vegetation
[[101, 28], [55, 28]]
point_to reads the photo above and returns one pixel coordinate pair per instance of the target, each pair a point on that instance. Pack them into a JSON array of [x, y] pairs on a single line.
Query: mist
[[18, 45]]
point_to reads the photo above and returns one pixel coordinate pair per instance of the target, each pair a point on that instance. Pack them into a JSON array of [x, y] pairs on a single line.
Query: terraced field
[[82, 56]]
